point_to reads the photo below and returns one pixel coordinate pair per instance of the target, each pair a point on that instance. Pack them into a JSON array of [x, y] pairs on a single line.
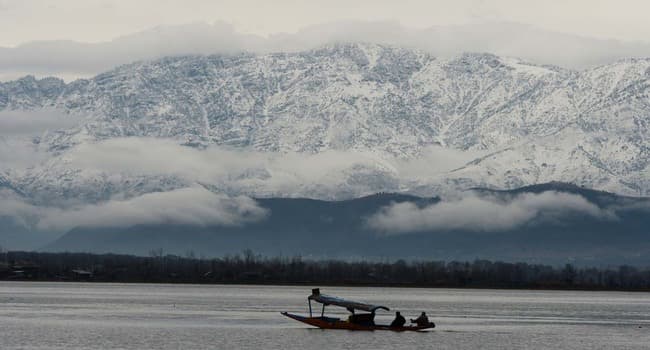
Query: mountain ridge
[[534, 123]]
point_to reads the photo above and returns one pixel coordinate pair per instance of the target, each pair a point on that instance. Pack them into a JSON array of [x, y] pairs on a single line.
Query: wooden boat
[[356, 322]]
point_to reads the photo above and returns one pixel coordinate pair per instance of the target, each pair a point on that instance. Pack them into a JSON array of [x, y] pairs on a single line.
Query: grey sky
[[102, 20], [70, 60], [74, 39]]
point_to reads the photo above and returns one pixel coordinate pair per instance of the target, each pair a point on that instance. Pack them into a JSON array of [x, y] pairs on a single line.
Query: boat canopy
[[348, 304]]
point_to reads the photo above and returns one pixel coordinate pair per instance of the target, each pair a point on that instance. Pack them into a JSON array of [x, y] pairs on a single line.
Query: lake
[[151, 316]]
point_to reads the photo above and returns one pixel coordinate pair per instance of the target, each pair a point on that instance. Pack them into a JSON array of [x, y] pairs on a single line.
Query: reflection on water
[[148, 316]]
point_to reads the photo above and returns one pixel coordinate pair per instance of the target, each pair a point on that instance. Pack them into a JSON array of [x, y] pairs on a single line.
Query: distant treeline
[[250, 268]]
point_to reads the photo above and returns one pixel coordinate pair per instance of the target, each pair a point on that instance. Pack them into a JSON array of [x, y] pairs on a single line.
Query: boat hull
[[335, 323]]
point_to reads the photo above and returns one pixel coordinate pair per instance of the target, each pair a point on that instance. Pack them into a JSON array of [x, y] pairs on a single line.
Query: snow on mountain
[[525, 123]]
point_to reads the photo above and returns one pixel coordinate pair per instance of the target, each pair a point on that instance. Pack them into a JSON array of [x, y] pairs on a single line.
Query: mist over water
[[147, 316]]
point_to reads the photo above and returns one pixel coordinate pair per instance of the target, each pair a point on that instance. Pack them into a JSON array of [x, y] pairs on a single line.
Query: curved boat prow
[[320, 322]]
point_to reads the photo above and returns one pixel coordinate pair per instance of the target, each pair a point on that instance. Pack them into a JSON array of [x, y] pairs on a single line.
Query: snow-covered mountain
[[514, 123]]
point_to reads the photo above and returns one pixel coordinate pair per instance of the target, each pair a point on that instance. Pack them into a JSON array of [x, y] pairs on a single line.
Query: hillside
[[341, 229]]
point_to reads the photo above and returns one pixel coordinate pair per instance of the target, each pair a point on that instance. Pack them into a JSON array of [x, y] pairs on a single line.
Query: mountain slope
[[530, 123]]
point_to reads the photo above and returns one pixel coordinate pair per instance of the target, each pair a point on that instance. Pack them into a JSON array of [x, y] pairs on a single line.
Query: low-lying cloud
[[20, 130], [21, 212], [483, 214], [187, 206], [34, 122], [323, 174], [243, 170]]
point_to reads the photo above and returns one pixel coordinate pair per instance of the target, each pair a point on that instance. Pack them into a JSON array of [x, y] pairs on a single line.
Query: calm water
[[144, 316]]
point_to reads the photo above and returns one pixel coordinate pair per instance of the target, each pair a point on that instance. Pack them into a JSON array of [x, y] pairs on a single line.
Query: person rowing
[[422, 320]]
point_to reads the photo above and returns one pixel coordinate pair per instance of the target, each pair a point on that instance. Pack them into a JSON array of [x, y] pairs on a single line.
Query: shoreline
[[251, 269]]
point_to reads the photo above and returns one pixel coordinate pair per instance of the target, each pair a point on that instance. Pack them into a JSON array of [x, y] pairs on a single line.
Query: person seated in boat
[[422, 320], [362, 319], [399, 320]]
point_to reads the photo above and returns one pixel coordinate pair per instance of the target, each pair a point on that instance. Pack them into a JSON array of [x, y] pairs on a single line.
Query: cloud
[[34, 122], [153, 156], [14, 207], [70, 59], [474, 213], [20, 132], [19, 154], [94, 21], [247, 171], [191, 206], [188, 206], [331, 174]]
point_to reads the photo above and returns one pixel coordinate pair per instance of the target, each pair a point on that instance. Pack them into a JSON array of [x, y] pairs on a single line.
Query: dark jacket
[[399, 321], [422, 320]]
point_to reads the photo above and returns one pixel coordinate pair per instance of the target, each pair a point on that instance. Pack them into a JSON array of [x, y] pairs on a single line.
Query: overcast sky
[[97, 35], [101, 20]]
